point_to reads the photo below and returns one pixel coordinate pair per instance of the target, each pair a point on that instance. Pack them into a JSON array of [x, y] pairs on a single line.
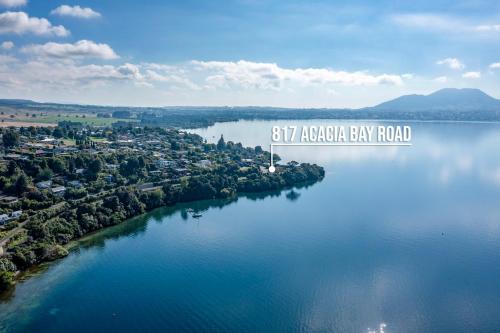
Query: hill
[[445, 99]]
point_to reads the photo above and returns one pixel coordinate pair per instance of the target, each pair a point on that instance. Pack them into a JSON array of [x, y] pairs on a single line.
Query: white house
[[17, 214], [3, 219], [58, 190], [44, 185]]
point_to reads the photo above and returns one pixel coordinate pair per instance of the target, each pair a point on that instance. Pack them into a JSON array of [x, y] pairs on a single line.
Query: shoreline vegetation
[[61, 184]]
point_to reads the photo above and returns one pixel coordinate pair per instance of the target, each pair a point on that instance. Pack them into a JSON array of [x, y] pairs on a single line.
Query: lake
[[407, 237]]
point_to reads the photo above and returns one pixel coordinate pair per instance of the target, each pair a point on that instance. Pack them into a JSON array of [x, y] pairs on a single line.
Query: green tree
[[11, 168], [94, 167], [6, 280], [21, 184], [221, 144], [44, 174], [58, 133], [10, 139]]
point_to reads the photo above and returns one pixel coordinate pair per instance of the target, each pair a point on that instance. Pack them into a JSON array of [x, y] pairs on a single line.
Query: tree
[[121, 114], [57, 165], [11, 168], [112, 203], [221, 144], [6, 280], [58, 133], [152, 199], [95, 166], [130, 166], [44, 174], [21, 184], [10, 139]]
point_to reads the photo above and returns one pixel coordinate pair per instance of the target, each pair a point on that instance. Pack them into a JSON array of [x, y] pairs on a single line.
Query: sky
[[284, 53]]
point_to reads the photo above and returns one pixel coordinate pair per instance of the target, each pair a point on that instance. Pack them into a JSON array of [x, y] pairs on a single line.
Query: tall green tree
[[10, 139], [21, 184], [221, 144]]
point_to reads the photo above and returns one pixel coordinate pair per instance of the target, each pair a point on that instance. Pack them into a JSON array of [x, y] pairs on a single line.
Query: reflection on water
[[407, 237], [449, 150]]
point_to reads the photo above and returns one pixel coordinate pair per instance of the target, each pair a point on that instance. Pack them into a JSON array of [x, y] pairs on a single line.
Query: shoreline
[[73, 245]]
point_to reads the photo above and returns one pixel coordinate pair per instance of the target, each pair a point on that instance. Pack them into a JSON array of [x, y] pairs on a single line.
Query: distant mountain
[[442, 100], [16, 102]]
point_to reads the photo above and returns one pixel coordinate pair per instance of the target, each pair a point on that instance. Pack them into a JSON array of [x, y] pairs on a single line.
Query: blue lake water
[[404, 236]]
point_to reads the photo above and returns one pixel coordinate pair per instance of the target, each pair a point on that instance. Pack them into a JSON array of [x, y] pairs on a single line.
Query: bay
[[403, 236]]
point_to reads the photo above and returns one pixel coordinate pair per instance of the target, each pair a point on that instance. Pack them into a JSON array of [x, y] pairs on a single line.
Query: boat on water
[[197, 215]]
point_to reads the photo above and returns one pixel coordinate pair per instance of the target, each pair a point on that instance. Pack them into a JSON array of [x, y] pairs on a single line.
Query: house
[[48, 140], [204, 164], [75, 184], [8, 200], [182, 171], [109, 178], [4, 218], [79, 171], [58, 190], [44, 185], [12, 156], [15, 215], [161, 163]]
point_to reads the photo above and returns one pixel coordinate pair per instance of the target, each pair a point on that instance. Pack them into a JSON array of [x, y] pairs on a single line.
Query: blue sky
[[245, 52]]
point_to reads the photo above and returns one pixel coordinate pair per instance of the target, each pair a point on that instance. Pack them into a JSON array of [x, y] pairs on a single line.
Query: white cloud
[[5, 59], [130, 71], [443, 23], [249, 74], [7, 45], [408, 76], [41, 75], [488, 27], [152, 75], [75, 11], [495, 65], [12, 3], [472, 75], [66, 67], [80, 49], [20, 23], [452, 63], [427, 21], [441, 79]]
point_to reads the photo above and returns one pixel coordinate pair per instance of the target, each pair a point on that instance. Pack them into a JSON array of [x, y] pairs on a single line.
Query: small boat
[[197, 215]]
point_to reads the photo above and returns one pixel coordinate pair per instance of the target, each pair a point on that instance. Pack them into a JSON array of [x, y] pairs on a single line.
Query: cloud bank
[[12, 3], [247, 74], [80, 49], [20, 23]]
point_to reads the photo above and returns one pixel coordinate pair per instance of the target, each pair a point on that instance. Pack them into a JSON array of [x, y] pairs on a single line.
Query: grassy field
[[69, 142], [53, 119], [96, 139]]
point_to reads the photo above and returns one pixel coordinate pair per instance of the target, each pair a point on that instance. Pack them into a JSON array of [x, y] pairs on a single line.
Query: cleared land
[[52, 119]]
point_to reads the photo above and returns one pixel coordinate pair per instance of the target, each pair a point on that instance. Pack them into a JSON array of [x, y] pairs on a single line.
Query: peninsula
[[59, 184]]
